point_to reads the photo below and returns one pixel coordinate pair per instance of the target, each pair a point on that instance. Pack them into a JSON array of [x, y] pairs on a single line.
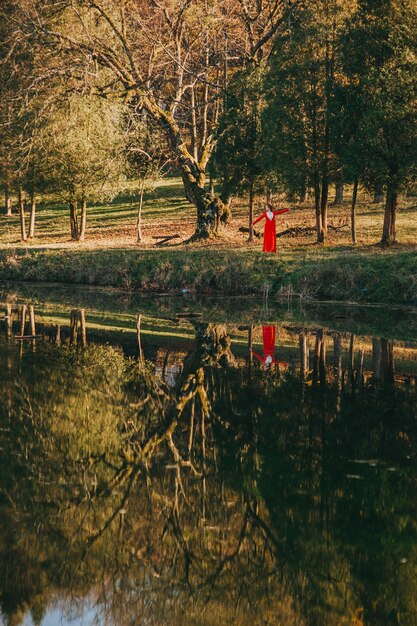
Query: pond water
[[203, 463]]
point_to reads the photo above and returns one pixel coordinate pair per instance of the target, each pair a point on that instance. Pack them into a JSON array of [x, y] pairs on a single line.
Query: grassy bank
[[227, 266], [330, 274]]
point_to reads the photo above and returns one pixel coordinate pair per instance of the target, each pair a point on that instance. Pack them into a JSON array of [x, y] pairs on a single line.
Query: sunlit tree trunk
[[83, 223], [32, 216], [8, 202], [74, 220], [139, 214], [23, 235]]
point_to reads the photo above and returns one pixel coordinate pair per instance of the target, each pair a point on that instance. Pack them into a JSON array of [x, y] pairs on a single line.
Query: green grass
[[229, 266], [357, 276]]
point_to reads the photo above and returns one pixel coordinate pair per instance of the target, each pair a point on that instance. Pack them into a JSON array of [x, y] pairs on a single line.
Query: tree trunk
[[339, 197], [32, 216], [74, 220], [378, 197], [83, 224], [323, 204], [210, 209], [390, 218], [352, 210], [23, 235], [7, 202], [139, 215], [251, 196], [319, 223], [304, 193]]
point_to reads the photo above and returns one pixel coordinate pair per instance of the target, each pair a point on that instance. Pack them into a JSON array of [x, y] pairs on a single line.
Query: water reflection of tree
[[226, 495]]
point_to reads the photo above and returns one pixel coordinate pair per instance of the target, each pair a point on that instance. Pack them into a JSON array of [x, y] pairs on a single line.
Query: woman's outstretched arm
[[258, 219], [281, 211]]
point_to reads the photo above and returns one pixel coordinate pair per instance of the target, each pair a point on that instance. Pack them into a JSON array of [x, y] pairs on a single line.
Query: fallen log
[[244, 229], [165, 238], [296, 231]]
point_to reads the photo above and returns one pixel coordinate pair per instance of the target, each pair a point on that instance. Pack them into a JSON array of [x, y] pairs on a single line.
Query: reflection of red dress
[[270, 232], [268, 340]]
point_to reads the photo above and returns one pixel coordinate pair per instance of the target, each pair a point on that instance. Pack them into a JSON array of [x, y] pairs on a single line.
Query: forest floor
[[228, 265]]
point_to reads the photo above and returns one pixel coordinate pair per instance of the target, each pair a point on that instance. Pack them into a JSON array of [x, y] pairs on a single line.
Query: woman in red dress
[[270, 232]]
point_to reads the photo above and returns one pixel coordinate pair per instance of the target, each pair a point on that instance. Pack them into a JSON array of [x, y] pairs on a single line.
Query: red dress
[[270, 232], [268, 340]]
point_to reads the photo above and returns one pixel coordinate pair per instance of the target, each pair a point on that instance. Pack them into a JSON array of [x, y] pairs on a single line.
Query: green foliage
[[238, 155], [84, 149], [376, 96], [298, 86]]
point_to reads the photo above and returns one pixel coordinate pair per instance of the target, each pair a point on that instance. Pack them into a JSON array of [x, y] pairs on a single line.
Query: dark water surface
[[172, 461]]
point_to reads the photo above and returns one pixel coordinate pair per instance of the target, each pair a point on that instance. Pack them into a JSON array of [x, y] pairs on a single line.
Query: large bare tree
[[172, 58]]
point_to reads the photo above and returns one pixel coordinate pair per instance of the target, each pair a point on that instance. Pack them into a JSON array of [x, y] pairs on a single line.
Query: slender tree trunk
[[304, 193], [7, 202], [319, 223], [378, 197], [324, 203], [390, 218], [83, 223], [353, 210], [340, 192], [251, 196], [23, 235], [83, 327], [250, 345], [139, 215], [32, 216], [74, 220]]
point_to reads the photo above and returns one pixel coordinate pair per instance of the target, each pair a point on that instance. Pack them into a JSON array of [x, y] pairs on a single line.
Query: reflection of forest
[[190, 486]]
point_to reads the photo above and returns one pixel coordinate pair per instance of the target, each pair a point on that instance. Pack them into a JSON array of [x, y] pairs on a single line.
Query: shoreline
[[354, 277]]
